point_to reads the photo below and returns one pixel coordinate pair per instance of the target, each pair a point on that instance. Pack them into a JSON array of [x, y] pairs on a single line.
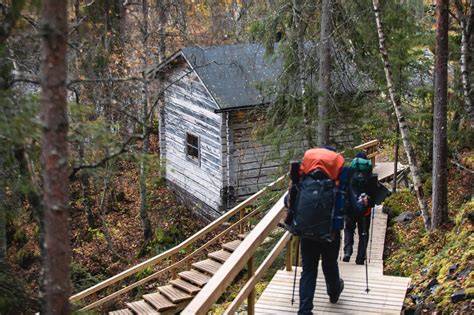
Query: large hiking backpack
[[314, 207], [362, 181]]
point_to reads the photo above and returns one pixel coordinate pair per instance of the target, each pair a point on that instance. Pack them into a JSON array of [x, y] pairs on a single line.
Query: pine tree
[[54, 155]]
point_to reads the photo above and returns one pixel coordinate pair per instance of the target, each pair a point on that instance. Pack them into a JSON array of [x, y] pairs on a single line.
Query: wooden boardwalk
[[385, 169], [386, 293]]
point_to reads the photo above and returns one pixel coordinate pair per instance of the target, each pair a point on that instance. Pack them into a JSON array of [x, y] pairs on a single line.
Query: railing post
[[251, 297], [174, 274], [289, 250], [241, 226], [188, 259]]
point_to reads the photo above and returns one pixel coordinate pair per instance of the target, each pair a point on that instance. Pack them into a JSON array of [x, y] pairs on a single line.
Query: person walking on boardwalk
[[316, 220], [361, 196]]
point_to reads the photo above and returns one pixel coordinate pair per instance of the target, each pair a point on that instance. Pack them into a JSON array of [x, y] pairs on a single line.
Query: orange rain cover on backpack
[[326, 160]]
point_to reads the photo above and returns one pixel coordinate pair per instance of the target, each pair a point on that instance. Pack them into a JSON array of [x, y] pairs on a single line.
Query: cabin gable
[[190, 139]]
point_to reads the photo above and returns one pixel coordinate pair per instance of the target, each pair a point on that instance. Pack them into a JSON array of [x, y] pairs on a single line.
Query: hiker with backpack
[[361, 195], [315, 215]]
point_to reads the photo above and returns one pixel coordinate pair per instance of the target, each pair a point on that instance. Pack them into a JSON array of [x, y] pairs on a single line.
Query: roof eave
[[237, 108]]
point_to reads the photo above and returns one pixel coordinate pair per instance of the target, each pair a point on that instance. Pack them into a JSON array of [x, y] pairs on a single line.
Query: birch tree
[[54, 158], [440, 111], [404, 131], [324, 72], [466, 23]]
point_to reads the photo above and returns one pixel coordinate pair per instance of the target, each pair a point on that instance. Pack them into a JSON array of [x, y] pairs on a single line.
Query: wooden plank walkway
[[385, 169], [386, 293]]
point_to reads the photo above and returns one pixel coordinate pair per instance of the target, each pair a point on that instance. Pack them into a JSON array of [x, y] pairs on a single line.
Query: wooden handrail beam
[[227, 272], [248, 287], [366, 145], [154, 260]]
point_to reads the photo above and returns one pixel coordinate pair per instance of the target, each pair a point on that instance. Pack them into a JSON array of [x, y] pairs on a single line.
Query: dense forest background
[[119, 208]]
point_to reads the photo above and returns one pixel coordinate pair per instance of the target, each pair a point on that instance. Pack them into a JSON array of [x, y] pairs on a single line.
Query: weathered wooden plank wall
[[255, 165], [189, 108]]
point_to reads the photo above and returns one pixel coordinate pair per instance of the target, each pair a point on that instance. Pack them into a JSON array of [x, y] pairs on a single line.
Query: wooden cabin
[[206, 120]]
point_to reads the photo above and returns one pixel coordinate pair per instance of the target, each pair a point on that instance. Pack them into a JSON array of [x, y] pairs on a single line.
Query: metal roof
[[231, 73]]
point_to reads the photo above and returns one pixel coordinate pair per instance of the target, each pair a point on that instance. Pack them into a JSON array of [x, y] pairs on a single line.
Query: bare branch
[[122, 150]]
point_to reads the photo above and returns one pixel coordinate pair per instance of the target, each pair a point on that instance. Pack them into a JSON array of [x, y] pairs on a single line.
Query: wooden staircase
[[173, 297]]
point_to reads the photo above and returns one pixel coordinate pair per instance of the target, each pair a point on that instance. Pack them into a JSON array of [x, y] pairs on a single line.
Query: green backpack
[[361, 165], [362, 180]]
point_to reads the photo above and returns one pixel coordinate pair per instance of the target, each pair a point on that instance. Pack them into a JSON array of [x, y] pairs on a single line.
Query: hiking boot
[[333, 299], [359, 262], [346, 258]]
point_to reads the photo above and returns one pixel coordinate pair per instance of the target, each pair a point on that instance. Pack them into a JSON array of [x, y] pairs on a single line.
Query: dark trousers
[[310, 253], [363, 224]]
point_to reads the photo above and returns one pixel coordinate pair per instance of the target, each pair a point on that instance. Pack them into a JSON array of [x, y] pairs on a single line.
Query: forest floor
[[115, 242], [440, 262]]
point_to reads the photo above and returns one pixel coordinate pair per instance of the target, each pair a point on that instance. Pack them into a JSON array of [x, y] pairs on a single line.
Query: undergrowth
[[439, 262]]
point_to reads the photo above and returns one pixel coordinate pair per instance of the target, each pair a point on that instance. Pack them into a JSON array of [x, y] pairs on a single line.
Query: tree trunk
[[395, 162], [161, 6], [162, 19], [143, 172], [324, 72], [54, 158], [440, 111], [299, 29], [466, 23], [404, 131], [3, 213]]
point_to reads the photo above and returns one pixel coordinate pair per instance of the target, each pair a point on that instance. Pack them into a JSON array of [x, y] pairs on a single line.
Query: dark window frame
[[193, 148]]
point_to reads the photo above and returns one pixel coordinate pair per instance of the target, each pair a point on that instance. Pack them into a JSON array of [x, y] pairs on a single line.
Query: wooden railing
[[173, 252], [244, 254], [370, 149]]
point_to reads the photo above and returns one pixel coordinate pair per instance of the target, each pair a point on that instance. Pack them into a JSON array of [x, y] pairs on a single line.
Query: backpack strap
[[338, 219]]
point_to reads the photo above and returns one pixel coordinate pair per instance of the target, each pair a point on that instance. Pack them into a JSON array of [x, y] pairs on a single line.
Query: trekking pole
[[296, 267], [366, 263], [371, 232]]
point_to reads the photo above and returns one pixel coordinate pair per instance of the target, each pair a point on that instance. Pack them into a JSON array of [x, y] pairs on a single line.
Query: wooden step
[[142, 308], [159, 301], [195, 277], [185, 286], [173, 294], [231, 246], [209, 266], [124, 311], [220, 255]]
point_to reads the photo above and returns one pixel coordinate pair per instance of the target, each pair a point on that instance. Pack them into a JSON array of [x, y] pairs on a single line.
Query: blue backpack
[[319, 204]]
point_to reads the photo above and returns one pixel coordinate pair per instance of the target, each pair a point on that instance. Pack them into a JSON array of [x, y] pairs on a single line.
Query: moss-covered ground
[[440, 262]]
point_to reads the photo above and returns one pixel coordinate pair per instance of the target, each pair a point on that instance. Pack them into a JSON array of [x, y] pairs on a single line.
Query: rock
[[463, 274], [431, 306], [432, 286], [404, 217], [451, 270], [458, 295], [470, 216]]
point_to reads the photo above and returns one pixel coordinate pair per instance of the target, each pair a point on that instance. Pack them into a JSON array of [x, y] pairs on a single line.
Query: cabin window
[[192, 147]]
